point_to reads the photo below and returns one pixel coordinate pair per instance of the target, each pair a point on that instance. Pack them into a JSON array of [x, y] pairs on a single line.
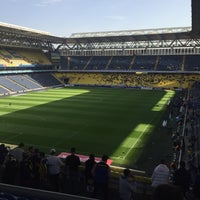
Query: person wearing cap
[[54, 165]]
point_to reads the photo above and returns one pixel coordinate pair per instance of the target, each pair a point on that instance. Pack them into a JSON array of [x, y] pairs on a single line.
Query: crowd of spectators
[[34, 169], [183, 172]]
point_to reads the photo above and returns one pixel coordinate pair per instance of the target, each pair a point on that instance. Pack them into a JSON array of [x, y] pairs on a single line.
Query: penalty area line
[[13, 137], [133, 145]]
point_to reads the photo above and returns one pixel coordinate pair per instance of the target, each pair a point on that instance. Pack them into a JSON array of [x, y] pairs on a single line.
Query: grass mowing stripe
[[87, 118]]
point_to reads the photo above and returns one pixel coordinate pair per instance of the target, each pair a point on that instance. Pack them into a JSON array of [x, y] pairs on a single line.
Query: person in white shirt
[[160, 174], [126, 185], [18, 152], [54, 165]]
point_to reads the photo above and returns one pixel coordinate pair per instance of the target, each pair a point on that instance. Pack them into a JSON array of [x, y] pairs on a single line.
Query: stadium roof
[[131, 32], [133, 35], [21, 28], [8, 31]]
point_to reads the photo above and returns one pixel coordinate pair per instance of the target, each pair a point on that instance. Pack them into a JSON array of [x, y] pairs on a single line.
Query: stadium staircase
[[34, 82], [132, 63], [156, 64], [4, 90], [88, 62], [16, 83], [4, 62], [183, 64], [110, 60]]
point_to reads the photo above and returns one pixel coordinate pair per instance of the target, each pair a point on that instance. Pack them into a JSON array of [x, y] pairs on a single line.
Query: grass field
[[113, 121]]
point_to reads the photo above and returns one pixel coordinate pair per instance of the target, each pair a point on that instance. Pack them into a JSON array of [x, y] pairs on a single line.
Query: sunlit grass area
[[114, 121]]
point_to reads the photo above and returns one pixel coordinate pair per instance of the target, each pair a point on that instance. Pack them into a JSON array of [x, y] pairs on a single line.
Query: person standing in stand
[[89, 179], [160, 174], [126, 185], [54, 165], [101, 173], [182, 178], [73, 162]]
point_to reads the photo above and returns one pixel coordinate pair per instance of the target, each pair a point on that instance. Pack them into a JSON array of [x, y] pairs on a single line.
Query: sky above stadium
[[63, 17]]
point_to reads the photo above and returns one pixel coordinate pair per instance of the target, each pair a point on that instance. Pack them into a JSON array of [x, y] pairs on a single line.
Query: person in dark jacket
[[89, 178], [101, 173], [196, 186], [167, 192], [73, 162], [182, 178]]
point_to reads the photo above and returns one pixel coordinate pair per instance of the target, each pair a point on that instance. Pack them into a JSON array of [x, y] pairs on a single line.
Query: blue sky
[[63, 17]]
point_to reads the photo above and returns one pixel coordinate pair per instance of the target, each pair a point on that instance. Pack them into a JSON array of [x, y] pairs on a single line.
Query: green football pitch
[[114, 121]]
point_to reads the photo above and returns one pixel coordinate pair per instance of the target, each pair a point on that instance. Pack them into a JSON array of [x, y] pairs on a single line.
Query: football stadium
[[131, 95]]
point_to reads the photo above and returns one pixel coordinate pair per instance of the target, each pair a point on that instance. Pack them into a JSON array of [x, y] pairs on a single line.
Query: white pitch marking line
[[12, 137], [135, 142]]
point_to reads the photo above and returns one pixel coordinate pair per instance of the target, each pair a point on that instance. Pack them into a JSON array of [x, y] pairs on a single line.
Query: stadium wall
[[18, 192]]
